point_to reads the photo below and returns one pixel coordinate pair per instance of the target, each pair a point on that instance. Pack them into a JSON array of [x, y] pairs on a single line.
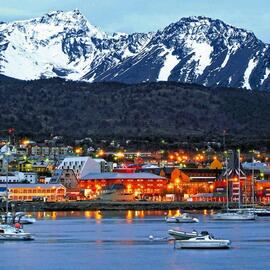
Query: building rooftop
[[111, 176], [31, 185]]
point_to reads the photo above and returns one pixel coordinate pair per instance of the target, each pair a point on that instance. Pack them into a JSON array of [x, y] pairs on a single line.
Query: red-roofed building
[[139, 184]]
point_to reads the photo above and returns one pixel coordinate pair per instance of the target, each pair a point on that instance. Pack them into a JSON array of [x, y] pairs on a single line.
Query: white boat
[[182, 235], [20, 217], [24, 218], [238, 215], [203, 242], [13, 233], [184, 218], [261, 212]]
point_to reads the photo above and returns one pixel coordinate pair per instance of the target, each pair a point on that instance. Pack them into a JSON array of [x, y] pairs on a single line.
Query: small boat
[[23, 218], [181, 235], [203, 242], [184, 218], [236, 216], [19, 217], [14, 233]]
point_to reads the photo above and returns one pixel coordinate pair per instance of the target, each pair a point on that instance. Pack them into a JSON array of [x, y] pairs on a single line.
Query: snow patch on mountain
[[266, 75], [251, 65], [201, 54], [170, 62]]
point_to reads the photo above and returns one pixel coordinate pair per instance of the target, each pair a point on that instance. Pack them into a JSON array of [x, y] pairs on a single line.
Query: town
[[52, 171]]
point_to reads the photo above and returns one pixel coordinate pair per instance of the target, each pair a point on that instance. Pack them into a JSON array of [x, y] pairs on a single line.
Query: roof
[[76, 158], [99, 160], [56, 175], [109, 176], [31, 185]]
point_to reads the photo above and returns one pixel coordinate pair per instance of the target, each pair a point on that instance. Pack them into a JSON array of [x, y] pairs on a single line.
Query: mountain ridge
[[194, 49]]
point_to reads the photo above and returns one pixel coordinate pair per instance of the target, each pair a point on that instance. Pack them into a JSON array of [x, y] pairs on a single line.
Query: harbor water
[[120, 240]]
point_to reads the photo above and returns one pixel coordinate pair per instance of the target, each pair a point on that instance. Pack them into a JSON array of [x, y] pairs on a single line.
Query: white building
[[83, 165], [20, 177], [50, 151]]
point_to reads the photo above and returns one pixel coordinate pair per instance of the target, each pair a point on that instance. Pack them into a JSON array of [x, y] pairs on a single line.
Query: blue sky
[[148, 15]]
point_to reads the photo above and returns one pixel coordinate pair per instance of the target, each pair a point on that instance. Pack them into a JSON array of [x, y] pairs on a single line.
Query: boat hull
[[27, 220], [233, 217], [181, 220], [16, 237], [203, 245]]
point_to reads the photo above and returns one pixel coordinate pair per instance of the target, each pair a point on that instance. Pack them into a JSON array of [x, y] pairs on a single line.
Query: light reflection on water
[[99, 215], [120, 240]]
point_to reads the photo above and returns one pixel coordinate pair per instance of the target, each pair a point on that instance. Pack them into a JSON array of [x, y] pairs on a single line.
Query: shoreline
[[113, 206]]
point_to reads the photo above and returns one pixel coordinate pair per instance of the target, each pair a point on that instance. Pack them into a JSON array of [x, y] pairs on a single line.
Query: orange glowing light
[[98, 216], [129, 215], [87, 214], [101, 153], [78, 150], [54, 215], [25, 142], [120, 155], [170, 186], [177, 181]]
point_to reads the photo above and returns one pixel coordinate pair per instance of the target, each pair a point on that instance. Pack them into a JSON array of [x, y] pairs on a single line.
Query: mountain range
[[196, 50]]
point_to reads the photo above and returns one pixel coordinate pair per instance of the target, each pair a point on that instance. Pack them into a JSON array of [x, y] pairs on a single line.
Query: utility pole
[[239, 176], [253, 183], [224, 140]]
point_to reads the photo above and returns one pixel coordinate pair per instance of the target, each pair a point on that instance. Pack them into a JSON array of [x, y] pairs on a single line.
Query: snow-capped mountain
[[62, 44], [193, 50]]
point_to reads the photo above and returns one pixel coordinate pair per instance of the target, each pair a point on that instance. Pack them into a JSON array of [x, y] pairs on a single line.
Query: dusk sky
[[148, 15]]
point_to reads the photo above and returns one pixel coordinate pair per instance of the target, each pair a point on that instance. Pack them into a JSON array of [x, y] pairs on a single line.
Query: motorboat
[[237, 216], [182, 235], [184, 218], [203, 242], [14, 233], [19, 217], [23, 218]]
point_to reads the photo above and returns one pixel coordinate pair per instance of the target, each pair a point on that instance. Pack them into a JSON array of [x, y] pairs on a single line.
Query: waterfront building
[[66, 177], [25, 166], [32, 192], [84, 165], [140, 184], [186, 182], [20, 177], [47, 151], [40, 167], [263, 191]]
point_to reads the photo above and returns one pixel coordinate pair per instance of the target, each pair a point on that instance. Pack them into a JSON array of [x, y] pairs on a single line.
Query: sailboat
[[11, 231], [234, 214], [261, 212]]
